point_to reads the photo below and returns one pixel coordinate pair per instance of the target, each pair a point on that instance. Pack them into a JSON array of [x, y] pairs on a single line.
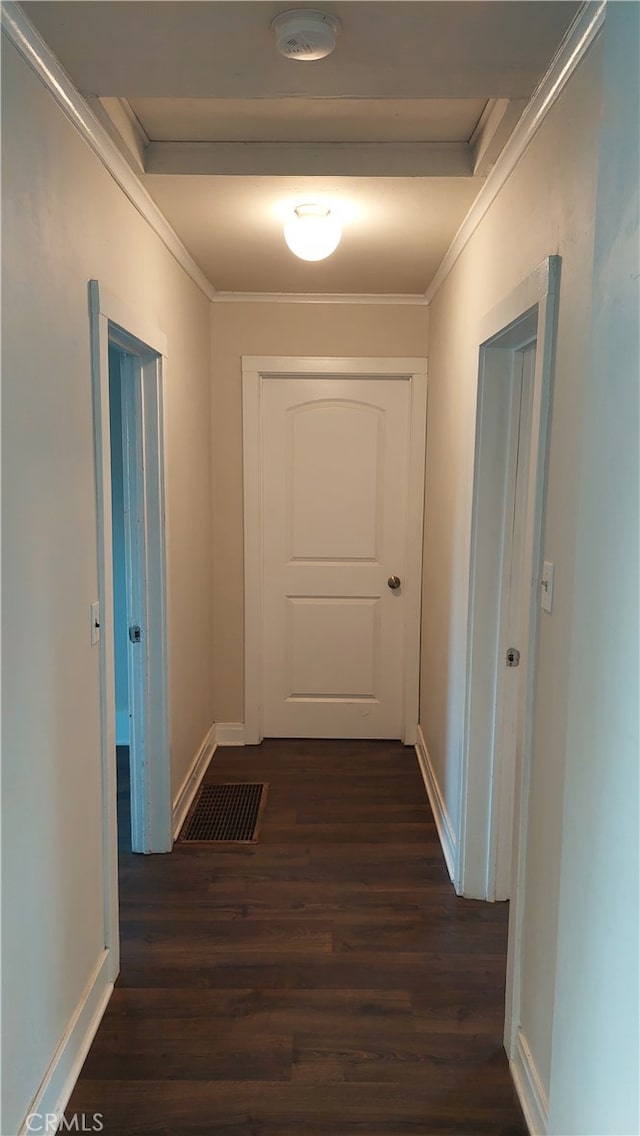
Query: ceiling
[[395, 131]]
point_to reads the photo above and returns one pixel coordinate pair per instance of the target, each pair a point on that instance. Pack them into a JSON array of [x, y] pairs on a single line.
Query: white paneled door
[[335, 480]]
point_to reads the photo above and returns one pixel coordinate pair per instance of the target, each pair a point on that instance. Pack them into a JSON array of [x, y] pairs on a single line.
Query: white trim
[[349, 366], [219, 734], [253, 542], [497, 122], [58, 1083], [400, 298], [255, 370], [544, 280], [136, 125], [37, 54], [570, 54], [504, 325], [529, 1087], [104, 310], [101, 414], [414, 544], [143, 419], [230, 733], [104, 302], [547, 321], [444, 826], [117, 117], [191, 783], [535, 298], [35, 51]]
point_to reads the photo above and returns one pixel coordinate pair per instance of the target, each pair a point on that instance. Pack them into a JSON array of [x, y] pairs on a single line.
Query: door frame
[[529, 312], [503, 426], [111, 320], [256, 370], [488, 774]]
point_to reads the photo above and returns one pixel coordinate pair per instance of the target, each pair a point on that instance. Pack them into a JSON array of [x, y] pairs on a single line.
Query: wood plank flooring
[[324, 982]]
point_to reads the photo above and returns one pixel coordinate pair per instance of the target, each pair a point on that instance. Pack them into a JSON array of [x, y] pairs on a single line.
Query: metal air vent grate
[[225, 813]]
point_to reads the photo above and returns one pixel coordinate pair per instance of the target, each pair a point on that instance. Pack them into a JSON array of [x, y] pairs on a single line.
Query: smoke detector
[[305, 33]]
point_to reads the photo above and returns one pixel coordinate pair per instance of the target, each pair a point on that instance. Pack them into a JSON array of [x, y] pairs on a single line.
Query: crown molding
[[36, 53], [407, 299], [21, 32], [121, 124], [498, 121], [577, 41]]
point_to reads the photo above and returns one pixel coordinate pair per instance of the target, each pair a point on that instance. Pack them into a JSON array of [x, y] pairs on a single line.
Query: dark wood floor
[[324, 982]]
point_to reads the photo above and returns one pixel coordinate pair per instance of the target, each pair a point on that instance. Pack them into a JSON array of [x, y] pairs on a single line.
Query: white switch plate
[[95, 623], [546, 586]]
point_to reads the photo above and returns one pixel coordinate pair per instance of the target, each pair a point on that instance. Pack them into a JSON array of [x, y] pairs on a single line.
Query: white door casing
[[528, 313], [143, 485], [112, 320], [334, 469], [491, 776]]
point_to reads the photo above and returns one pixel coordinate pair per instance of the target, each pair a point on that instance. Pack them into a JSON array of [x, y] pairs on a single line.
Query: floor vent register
[[225, 814]]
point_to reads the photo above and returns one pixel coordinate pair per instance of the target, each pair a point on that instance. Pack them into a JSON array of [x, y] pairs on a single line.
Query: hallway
[[323, 982]]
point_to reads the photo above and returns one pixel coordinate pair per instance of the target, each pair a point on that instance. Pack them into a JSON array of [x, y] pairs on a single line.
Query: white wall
[[274, 329], [573, 192], [594, 1076], [64, 222], [547, 206]]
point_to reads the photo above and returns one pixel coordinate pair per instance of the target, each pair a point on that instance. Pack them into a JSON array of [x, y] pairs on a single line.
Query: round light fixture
[[313, 232], [305, 33]]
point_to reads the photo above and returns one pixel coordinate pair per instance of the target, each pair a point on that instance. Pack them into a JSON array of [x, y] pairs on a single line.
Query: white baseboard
[[441, 816], [230, 733], [529, 1087], [191, 783], [49, 1103]]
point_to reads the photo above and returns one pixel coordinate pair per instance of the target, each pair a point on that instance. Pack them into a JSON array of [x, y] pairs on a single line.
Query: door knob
[[393, 582]]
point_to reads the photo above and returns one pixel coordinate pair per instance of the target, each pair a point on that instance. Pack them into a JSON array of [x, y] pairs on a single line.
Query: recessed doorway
[[514, 388], [129, 362]]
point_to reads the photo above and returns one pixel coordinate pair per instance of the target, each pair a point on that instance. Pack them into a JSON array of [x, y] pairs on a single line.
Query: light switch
[[546, 586], [95, 623]]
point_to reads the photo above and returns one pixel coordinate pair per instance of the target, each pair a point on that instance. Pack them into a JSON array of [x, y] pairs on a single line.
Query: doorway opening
[[120, 363], [498, 601], [516, 353], [129, 360], [514, 384]]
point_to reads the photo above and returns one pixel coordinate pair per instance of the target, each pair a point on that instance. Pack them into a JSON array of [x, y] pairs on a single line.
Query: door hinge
[[135, 634], [513, 657]]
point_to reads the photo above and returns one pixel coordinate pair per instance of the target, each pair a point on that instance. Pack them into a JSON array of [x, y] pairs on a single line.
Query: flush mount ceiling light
[[313, 232], [305, 33]]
